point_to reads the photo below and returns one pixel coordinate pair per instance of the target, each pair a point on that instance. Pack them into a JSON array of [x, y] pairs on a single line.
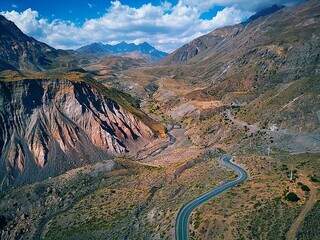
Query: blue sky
[[167, 24], [75, 10], [78, 11]]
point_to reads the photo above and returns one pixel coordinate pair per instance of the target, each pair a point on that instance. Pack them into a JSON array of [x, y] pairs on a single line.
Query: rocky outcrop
[[48, 127]]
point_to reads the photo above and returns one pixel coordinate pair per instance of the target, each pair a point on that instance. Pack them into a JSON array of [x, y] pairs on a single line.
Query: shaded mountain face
[[122, 48], [213, 39], [188, 51], [48, 127], [264, 12], [22, 52]]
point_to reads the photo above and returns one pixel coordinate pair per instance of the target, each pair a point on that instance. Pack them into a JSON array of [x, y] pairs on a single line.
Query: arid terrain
[[112, 147]]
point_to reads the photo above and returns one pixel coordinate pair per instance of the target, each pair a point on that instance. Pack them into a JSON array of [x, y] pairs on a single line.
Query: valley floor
[[141, 200]]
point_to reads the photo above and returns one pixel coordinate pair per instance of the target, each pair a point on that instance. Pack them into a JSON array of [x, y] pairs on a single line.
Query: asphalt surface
[[182, 220]]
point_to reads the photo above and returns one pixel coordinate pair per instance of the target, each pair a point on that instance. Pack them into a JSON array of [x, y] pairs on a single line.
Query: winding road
[[182, 220]]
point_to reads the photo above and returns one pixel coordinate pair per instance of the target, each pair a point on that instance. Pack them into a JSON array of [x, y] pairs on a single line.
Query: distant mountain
[[19, 51], [96, 49], [144, 49]]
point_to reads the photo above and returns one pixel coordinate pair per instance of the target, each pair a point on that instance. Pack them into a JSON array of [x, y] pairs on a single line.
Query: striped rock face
[[48, 127]]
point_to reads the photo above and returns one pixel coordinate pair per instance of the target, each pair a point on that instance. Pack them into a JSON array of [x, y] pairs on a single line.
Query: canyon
[[102, 146]]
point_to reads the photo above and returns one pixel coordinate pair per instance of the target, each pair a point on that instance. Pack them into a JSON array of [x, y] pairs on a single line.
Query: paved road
[[182, 221]]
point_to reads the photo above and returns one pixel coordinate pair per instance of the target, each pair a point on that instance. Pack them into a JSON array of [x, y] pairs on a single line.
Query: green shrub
[[292, 197], [305, 188], [314, 179]]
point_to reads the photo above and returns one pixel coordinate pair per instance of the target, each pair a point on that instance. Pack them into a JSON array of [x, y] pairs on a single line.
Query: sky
[[166, 24]]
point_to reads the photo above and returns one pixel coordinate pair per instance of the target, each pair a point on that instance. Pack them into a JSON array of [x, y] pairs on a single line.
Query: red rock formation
[[48, 127]]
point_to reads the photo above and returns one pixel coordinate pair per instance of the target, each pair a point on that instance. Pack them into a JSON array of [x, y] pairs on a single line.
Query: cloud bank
[[166, 26]]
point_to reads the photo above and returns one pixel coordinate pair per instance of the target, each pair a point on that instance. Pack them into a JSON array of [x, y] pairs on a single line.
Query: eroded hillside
[[50, 126]]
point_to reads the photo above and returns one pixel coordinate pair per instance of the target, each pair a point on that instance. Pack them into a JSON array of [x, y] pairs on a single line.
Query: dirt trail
[[293, 231]]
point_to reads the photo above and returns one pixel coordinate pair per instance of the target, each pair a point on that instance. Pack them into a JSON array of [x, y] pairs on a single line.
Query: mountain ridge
[[264, 12], [144, 49], [185, 53], [23, 52]]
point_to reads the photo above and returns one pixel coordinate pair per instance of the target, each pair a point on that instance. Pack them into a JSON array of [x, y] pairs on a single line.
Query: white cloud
[[90, 5], [165, 26], [226, 17], [27, 21]]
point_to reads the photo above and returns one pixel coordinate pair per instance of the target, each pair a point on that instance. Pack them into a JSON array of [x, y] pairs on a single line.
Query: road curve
[[182, 220]]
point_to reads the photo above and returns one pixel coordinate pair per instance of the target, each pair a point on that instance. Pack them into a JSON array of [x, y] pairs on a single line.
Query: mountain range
[[97, 146], [142, 49]]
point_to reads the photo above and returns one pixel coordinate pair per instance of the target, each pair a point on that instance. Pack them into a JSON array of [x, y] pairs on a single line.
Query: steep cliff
[[50, 126]]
